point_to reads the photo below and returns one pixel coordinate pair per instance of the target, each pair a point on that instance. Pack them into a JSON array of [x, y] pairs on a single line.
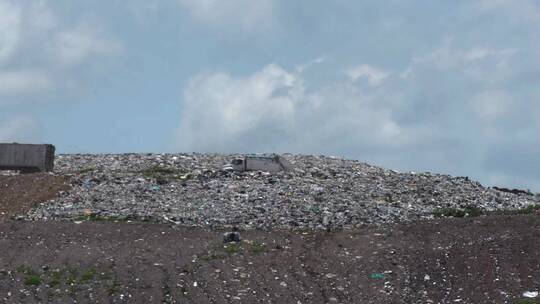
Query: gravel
[[319, 192]]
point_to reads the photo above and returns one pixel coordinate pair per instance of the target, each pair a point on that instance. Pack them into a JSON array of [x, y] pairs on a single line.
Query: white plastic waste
[[530, 294]]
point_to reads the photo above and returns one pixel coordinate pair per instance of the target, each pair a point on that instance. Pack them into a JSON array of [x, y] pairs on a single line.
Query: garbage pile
[[317, 192]]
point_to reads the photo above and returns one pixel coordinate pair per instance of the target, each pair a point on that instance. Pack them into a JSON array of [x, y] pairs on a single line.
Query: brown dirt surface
[[19, 193], [490, 259]]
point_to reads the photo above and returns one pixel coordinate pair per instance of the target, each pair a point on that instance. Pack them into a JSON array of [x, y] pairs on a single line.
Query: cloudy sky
[[441, 86]]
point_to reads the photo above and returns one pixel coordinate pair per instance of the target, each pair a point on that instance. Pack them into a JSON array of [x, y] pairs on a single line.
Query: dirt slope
[[483, 260], [20, 193]]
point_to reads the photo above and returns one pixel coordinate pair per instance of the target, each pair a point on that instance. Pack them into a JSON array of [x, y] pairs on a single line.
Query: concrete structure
[[26, 157], [272, 163]]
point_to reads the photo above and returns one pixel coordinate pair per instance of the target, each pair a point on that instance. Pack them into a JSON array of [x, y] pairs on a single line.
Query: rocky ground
[[320, 192], [149, 229]]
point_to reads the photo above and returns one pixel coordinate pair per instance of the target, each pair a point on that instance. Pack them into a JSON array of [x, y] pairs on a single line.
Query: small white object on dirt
[[530, 294], [427, 277]]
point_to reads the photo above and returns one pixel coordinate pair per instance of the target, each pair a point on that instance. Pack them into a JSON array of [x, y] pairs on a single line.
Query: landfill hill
[[319, 192], [148, 228]]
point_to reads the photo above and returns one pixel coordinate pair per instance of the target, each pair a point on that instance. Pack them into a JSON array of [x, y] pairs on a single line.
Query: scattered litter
[[317, 192], [185, 176], [331, 275], [377, 276], [530, 294], [231, 237]]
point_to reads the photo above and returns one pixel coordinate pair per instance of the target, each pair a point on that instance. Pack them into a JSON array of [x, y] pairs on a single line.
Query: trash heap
[[318, 192]]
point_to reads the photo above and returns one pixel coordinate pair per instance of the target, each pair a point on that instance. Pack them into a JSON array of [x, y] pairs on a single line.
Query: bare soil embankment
[[483, 260], [20, 193]]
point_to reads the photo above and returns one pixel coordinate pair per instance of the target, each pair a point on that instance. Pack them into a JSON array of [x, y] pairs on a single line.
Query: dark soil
[[484, 260], [491, 259]]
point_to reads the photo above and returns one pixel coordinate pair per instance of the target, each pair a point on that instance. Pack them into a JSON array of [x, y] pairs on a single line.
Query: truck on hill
[[272, 163]]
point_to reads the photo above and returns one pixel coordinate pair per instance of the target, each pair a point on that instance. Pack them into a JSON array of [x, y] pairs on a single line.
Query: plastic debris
[[530, 294], [231, 237], [377, 276], [317, 193]]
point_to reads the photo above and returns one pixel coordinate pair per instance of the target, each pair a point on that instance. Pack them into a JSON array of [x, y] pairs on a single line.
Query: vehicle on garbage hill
[[273, 163]]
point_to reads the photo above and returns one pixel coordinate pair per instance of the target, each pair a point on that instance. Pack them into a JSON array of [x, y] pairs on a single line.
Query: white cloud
[[447, 57], [73, 46], [302, 67], [219, 107], [18, 129], [477, 53], [23, 82], [38, 15], [247, 15], [10, 23], [270, 110], [143, 10], [522, 10], [37, 50], [490, 106], [373, 75], [479, 63]]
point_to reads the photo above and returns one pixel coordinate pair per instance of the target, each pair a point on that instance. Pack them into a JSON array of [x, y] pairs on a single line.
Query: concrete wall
[[26, 157]]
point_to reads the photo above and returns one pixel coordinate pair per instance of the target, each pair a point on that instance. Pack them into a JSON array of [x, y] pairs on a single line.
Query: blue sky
[[442, 86]]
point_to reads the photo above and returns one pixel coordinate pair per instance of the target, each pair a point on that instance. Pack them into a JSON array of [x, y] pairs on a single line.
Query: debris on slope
[[20, 193], [319, 192]]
